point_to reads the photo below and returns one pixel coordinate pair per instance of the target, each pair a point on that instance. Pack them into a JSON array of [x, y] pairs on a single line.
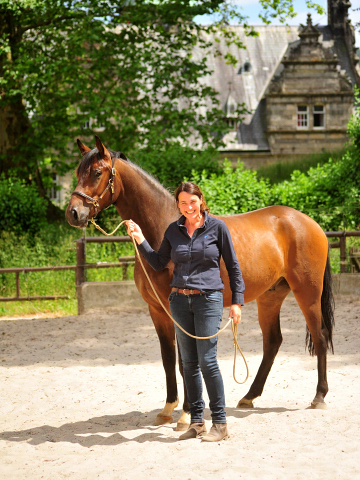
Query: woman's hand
[[134, 230], [235, 313]]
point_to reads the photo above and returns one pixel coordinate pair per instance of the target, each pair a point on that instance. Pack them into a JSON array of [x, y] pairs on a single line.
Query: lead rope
[[233, 325]]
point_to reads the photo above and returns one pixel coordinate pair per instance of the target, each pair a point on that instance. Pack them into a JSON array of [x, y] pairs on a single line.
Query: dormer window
[[245, 68], [230, 110]]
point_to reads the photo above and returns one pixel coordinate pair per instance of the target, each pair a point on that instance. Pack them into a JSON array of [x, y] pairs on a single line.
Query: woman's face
[[189, 205]]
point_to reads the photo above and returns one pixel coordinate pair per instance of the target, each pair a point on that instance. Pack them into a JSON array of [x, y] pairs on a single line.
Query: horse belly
[[261, 267]]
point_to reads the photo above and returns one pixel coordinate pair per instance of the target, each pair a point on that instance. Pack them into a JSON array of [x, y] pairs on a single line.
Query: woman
[[195, 243]]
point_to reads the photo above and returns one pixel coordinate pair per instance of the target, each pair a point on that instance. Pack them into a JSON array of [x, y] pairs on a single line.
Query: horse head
[[96, 188]]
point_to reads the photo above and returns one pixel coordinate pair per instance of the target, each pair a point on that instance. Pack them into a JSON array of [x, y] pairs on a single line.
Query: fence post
[[80, 272], [343, 253]]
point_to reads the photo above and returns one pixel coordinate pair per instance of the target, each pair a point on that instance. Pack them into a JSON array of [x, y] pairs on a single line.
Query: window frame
[[320, 113], [53, 192], [302, 115]]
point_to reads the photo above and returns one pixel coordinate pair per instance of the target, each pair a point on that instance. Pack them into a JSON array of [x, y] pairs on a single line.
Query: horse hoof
[[182, 427], [318, 405], [162, 420], [245, 403]]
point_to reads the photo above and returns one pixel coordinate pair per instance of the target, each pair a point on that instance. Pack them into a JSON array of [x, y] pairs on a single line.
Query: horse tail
[[327, 311]]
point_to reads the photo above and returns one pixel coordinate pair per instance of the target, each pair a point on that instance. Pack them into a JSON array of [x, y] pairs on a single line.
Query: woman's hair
[[193, 189]]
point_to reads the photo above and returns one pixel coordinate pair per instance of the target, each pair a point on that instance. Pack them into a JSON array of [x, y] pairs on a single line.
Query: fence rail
[[81, 265], [80, 268]]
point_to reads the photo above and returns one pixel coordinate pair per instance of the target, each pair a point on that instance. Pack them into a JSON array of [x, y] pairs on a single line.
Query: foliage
[[233, 191], [327, 194], [54, 244], [284, 9], [279, 172], [177, 162], [126, 66], [23, 211]]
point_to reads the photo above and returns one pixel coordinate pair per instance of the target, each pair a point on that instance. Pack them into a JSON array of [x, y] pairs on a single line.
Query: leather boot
[[217, 432], [194, 431]]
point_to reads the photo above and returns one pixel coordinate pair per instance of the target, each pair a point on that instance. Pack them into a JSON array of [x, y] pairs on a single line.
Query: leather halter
[[110, 185]]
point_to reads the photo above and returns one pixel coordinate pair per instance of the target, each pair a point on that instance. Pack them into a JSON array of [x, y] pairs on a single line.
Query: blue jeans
[[200, 315]]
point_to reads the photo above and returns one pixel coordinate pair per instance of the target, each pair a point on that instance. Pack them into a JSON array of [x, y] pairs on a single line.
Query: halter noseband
[[95, 201]]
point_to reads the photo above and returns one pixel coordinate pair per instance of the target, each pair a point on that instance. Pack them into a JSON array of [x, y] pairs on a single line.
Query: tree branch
[[53, 21]]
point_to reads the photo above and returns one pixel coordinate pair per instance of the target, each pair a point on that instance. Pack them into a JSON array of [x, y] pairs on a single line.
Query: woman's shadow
[[111, 429]]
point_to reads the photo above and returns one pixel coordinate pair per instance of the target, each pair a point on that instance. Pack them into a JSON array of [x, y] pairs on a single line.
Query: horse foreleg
[[269, 305], [184, 420], [166, 333]]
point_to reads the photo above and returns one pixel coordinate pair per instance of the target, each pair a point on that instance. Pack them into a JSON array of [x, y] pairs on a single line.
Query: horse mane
[[88, 159]]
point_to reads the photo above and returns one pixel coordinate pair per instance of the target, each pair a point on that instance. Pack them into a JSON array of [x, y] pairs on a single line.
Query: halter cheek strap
[[110, 185]]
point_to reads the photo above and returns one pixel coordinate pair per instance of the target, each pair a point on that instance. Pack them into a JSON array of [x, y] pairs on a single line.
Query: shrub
[[23, 210], [171, 165], [233, 191]]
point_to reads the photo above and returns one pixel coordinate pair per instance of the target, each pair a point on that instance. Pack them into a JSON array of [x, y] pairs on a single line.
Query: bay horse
[[279, 249]]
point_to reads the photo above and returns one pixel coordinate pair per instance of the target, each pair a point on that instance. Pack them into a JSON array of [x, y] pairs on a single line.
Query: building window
[[319, 116], [87, 124], [302, 116], [245, 68], [53, 192]]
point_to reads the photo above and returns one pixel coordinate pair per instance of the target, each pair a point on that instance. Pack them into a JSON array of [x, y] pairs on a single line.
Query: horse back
[[271, 243]]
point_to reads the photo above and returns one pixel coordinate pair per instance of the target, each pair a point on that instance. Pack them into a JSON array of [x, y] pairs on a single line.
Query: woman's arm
[[157, 260], [237, 284]]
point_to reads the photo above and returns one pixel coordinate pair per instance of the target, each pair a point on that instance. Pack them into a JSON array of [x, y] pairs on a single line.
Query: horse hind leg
[[310, 304], [315, 298], [269, 305]]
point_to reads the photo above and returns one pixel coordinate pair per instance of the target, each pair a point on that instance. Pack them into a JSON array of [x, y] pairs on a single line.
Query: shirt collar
[[182, 219]]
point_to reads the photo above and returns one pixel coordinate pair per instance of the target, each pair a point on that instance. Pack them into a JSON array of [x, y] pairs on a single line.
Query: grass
[[279, 172], [54, 246]]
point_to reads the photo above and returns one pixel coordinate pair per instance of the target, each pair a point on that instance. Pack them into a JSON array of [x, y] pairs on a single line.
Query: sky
[[251, 8]]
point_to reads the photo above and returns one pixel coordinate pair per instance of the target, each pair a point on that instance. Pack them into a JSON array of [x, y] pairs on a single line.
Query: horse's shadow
[[111, 429]]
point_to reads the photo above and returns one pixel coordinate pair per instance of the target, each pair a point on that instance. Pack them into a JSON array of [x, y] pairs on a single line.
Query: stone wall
[[309, 76]]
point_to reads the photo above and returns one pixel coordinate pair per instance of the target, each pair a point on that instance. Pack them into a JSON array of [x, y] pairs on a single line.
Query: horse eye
[[97, 173]]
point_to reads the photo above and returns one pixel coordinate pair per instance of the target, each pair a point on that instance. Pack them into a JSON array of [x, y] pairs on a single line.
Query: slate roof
[[256, 65]]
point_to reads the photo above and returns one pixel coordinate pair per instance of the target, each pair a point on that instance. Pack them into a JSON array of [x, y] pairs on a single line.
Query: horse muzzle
[[77, 215]]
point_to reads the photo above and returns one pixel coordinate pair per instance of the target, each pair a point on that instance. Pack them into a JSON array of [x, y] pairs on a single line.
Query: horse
[[279, 250]]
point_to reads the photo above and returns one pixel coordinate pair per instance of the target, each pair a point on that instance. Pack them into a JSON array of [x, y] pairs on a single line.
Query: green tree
[[127, 65]]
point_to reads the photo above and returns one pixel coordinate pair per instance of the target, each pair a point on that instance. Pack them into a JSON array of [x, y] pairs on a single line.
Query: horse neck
[[145, 201]]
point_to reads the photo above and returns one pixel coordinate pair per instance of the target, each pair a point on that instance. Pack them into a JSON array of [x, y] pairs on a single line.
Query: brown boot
[[217, 432], [194, 431]]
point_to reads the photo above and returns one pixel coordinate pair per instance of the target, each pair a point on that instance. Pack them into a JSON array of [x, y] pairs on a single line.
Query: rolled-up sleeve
[[227, 251]]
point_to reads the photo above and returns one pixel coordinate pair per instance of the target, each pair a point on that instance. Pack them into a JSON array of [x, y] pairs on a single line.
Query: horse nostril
[[74, 214]]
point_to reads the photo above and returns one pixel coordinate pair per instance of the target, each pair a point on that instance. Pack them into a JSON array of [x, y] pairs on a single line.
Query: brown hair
[[193, 189]]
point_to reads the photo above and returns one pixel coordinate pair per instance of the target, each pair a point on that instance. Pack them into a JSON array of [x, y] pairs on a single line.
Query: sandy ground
[[79, 396]]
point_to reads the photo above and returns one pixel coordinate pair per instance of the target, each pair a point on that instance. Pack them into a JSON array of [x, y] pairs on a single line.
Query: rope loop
[[233, 325]]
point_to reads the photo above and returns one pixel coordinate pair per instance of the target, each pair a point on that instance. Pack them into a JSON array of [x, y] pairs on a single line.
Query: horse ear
[[102, 149], [83, 148]]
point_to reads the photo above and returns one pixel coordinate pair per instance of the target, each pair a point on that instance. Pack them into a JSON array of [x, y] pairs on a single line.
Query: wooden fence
[[81, 265]]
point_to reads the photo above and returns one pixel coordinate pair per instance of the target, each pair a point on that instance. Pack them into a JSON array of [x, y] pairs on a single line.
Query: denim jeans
[[200, 315]]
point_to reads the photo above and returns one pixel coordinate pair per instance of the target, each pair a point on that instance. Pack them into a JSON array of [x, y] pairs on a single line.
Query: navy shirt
[[197, 258]]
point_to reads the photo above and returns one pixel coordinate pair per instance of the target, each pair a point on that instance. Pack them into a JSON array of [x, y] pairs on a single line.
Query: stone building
[[298, 84], [310, 99]]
